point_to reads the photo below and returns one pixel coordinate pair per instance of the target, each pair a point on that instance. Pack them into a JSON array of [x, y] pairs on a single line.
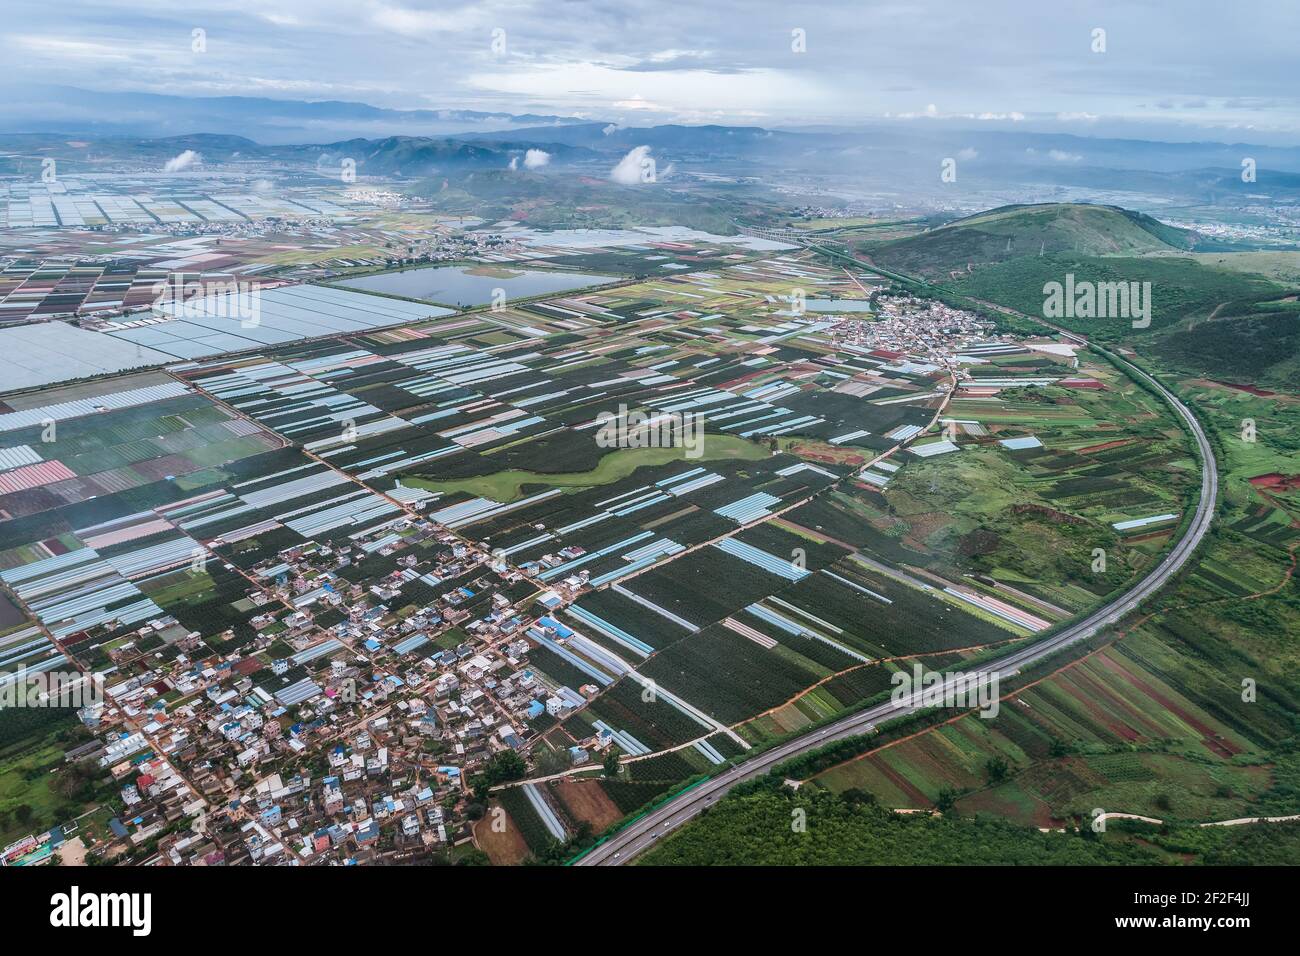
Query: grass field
[[509, 485]]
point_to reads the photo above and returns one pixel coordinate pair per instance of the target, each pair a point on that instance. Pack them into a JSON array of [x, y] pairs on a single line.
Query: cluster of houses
[[904, 325], [350, 729]]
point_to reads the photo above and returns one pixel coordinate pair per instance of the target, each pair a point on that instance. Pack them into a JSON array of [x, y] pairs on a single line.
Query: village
[[375, 754]]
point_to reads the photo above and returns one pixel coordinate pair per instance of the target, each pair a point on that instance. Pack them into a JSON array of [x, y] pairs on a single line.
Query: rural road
[[624, 845]]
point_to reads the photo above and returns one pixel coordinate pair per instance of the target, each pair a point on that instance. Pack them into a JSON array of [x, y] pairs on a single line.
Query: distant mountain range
[[410, 156], [64, 109], [899, 159]]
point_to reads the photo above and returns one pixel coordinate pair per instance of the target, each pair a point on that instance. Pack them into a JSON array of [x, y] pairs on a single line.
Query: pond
[[464, 286]]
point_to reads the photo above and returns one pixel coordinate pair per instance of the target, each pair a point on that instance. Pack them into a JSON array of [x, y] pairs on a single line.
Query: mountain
[[422, 155], [740, 140], [410, 156], [71, 110], [1013, 232]]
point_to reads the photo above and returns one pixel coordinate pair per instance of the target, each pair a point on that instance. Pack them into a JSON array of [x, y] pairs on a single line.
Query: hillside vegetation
[[771, 826], [1181, 288], [1014, 232]]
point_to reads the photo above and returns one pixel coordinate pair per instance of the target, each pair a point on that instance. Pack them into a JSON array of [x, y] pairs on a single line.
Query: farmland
[[661, 523]]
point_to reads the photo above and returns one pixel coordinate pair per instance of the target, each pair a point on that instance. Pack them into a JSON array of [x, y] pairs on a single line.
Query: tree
[[857, 796], [502, 768], [611, 763], [997, 769], [505, 766], [946, 800]]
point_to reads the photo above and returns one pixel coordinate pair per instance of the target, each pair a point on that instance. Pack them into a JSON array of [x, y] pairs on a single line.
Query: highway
[[633, 839]]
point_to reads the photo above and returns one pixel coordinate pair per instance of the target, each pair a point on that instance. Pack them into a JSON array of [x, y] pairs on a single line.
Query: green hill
[[1014, 232], [1262, 348], [1181, 288]]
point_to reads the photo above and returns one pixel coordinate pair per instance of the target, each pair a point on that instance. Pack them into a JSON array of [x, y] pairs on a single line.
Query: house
[[332, 796]]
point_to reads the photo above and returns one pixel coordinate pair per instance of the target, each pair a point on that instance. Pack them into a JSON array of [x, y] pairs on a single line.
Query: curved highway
[[624, 845]]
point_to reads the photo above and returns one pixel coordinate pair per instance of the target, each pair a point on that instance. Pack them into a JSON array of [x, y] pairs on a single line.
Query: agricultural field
[[671, 521], [1140, 726], [1156, 723]]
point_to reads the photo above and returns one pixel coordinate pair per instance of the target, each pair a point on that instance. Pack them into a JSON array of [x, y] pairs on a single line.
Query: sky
[[1179, 69]]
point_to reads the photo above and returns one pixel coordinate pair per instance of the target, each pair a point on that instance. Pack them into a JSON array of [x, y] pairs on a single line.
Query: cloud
[[702, 60], [414, 23], [182, 161], [730, 58], [611, 128], [628, 172], [536, 158], [638, 102], [932, 112], [69, 49], [968, 153], [1061, 156]]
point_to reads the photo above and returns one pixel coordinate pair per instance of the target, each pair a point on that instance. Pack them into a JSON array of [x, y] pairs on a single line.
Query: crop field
[[1036, 484], [144, 438], [588, 801], [146, 494], [1260, 436], [847, 690], [729, 676], [628, 708], [686, 515], [1132, 727], [524, 818]]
